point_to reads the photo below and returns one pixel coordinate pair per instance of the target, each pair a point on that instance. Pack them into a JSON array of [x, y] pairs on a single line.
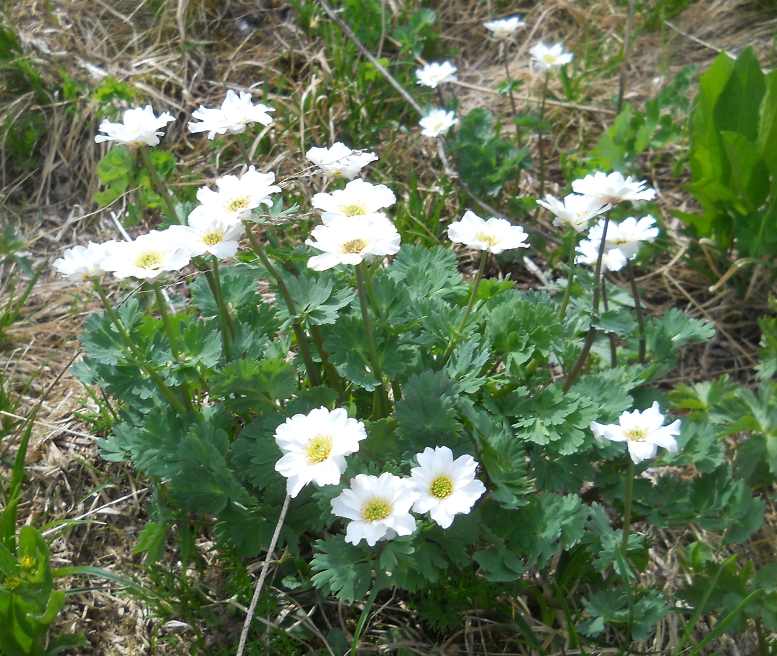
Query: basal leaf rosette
[[643, 432], [314, 447], [378, 507], [445, 487], [350, 240]]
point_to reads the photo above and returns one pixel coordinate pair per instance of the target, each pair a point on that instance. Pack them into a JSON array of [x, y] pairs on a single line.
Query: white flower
[[494, 235], [379, 507], [446, 487], [437, 122], [612, 188], [359, 198], [435, 73], [626, 236], [643, 432], [549, 57], [314, 447], [339, 161], [140, 128], [349, 240], [236, 197], [235, 114], [208, 233], [575, 211], [84, 263], [146, 258], [501, 28], [612, 259]]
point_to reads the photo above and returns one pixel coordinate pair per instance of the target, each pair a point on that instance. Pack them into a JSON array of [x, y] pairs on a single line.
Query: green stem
[[173, 336], [610, 336], [640, 316], [568, 291], [363, 617], [376, 370], [243, 150], [509, 79], [627, 511], [302, 341], [156, 181], [141, 361], [370, 289], [227, 330], [542, 141], [589, 340], [473, 296], [331, 373]]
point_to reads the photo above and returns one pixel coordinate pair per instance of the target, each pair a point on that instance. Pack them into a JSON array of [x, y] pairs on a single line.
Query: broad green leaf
[[749, 174], [767, 126], [737, 106]]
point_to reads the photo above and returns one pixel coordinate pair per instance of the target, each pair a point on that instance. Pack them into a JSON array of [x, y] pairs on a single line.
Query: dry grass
[[238, 44]]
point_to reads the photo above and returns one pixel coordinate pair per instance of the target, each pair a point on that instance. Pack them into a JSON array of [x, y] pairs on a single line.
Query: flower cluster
[[235, 114], [314, 447], [594, 195], [339, 161]]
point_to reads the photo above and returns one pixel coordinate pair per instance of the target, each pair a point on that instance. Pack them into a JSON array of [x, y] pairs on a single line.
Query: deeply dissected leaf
[[245, 384], [426, 413], [341, 568]]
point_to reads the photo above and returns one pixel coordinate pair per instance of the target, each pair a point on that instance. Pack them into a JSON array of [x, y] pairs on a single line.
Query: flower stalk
[[568, 291], [541, 142], [509, 79], [156, 181], [627, 508], [227, 326], [150, 371], [376, 369], [640, 316]]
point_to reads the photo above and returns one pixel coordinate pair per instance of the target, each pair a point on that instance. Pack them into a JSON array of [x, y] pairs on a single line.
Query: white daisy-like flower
[[314, 447], [147, 258], [626, 236], [435, 73], [494, 235], [339, 161], [378, 507], [359, 198], [546, 57], [446, 487], [236, 197], [235, 114], [501, 28], [84, 262], [612, 188], [575, 210], [139, 128], [437, 122], [588, 253], [209, 233], [349, 240], [643, 433]]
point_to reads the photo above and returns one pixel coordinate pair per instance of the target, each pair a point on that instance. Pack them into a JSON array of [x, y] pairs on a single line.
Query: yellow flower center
[[354, 246], [376, 510], [318, 449], [549, 59], [441, 487], [212, 238], [149, 259], [487, 239], [636, 434], [238, 204], [356, 209], [27, 562]]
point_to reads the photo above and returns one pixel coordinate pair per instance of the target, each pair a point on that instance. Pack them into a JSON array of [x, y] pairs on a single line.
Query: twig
[[262, 576]]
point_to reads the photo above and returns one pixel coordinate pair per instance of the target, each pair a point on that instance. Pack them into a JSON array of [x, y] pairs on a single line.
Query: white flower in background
[[626, 236], [339, 161], [588, 253], [236, 197], [84, 262], [349, 240], [575, 211], [643, 432], [435, 73], [208, 233], [236, 113], [140, 128], [612, 188], [147, 258], [359, 198], [378, 507], [314, 447], [501, 28], [494, 235], [546, 57], [437, 122], [446, 487]]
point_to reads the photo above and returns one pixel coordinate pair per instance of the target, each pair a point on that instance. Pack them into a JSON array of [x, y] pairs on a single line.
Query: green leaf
[[767, 126], [315, 299], [245, 384], [749, 173], [737, 107], [428, 272], [426, 413], [666, 334], [499, 564], [152, 540], [341, 568], [247, 531]]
